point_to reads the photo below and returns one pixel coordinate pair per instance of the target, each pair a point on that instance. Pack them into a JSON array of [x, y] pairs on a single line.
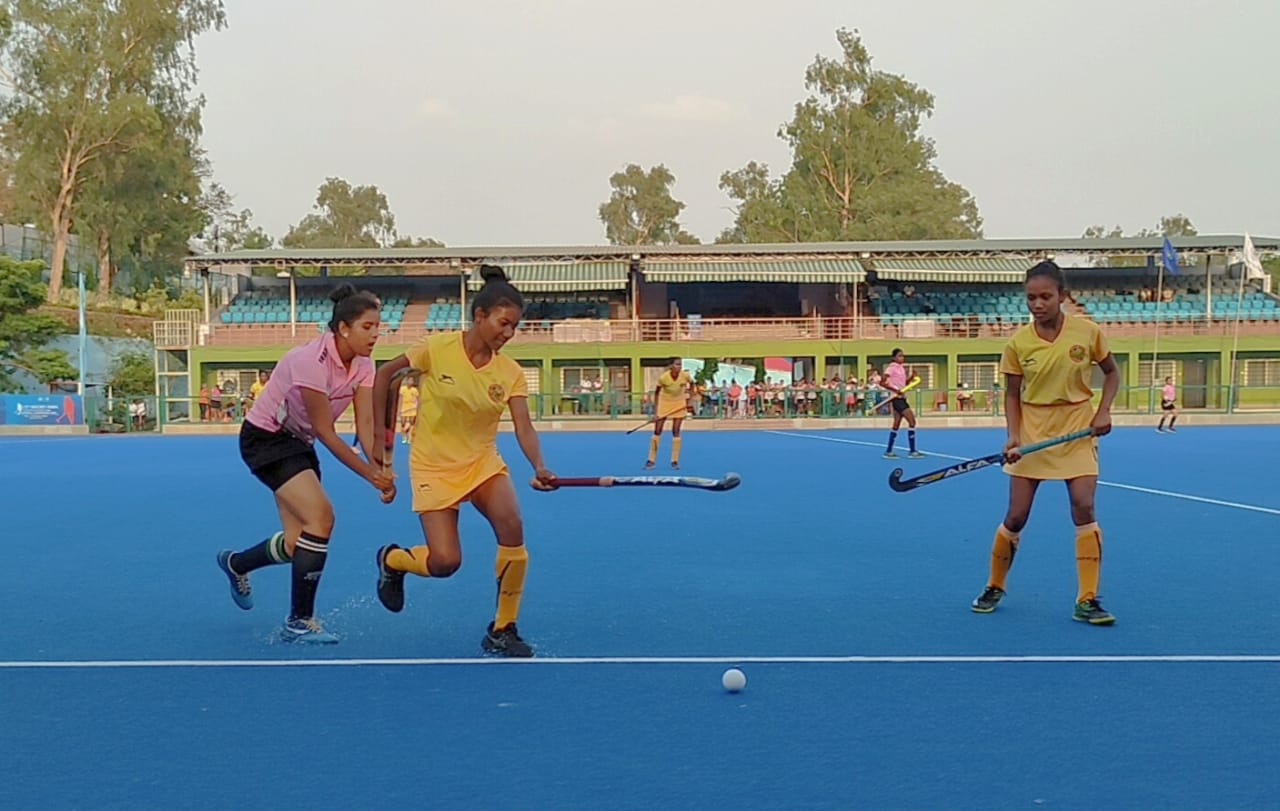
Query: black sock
[[893, 437], [267, 553], [1162, 419], [1172, 421], [911, 439], [308, 563]]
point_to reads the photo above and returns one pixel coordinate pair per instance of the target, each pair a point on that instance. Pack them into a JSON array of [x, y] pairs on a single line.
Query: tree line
[[101, 120], [100, 126]]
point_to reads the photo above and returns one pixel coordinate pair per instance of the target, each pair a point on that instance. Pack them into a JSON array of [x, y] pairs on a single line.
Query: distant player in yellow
[[465, 386], [672, 398], [255, 389], [408, 409], [1047, 365]]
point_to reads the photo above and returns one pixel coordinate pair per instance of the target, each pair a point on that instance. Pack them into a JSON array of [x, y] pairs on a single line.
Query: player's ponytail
[[1050, 270], [349, 304], [496, 292]]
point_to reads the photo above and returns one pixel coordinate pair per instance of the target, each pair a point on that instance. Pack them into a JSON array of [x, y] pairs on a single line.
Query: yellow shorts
[[446, 489], [1070, 460], [668, 409]]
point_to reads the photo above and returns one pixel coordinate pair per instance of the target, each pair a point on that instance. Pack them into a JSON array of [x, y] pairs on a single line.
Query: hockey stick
[[728, 482], [901, 485], [390, 420], [650, 421], [678, 415], [914, 382]]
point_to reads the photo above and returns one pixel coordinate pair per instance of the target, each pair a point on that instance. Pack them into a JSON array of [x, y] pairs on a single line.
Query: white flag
[[1252, 262]]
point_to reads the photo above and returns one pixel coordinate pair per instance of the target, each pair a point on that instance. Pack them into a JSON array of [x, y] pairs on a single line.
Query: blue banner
[[41, 409], [1169, 257]]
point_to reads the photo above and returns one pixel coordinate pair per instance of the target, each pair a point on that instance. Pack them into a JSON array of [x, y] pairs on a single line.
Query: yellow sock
[[1003, 549], [410, 560], [1088, 560], [653, 448], [509, 568], [675, 449]]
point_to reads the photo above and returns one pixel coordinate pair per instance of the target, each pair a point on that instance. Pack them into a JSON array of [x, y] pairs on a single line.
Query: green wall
[[945, 352]]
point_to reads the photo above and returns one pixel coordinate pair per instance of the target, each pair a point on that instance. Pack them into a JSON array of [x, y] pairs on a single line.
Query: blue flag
[[1169, 256]]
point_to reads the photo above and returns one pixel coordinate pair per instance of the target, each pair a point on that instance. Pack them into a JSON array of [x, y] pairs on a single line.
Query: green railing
[[121, 415], [149, 414]]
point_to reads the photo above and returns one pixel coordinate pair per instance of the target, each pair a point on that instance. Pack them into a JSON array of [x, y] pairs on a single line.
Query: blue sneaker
[[240, 591], [987, 601], [506, 642], [306, 630], [1092, 612]]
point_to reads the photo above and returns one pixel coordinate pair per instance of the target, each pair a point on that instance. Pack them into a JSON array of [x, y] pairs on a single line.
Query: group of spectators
[[806, 398]]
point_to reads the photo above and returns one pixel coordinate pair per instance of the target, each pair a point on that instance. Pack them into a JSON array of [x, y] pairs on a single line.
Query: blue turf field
[[108, 550]]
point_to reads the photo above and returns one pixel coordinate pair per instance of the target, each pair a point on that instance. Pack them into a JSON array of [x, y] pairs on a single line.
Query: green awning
[[553, 277], [803, 271], [990, 270]]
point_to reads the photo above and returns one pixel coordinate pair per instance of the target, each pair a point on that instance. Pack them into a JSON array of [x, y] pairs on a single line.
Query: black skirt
[[275, 457]]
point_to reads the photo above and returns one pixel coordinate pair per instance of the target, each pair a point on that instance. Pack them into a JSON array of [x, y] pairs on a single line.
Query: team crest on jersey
[[1077, 353], [497, 393]]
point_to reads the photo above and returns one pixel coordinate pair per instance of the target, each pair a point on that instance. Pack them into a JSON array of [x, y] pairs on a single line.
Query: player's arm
[[527, 437], [1110, 385], [1013, 413], [365, 422], [317, 404], [382, 382]]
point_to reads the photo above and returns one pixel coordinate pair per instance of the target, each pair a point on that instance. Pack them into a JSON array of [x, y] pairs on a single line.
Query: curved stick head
[[730, 481], [895, 481]]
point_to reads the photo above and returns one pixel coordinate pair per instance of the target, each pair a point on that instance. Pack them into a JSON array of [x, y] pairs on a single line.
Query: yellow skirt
[[1070, 460], [672, 408], [439, 489]]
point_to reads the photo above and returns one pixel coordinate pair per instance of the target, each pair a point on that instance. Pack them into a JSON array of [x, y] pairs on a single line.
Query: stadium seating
[[998, 304], [443, 315], [990, 304], [272, 307], [953, 307], [1117, 308]]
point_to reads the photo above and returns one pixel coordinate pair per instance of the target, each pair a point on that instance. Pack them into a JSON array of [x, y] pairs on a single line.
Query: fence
[[143, 414], [575, 331]]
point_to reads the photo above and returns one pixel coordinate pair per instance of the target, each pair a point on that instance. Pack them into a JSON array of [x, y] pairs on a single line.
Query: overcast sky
[[499, 123]]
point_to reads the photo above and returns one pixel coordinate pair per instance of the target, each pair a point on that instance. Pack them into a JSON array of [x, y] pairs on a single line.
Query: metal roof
[[548, 277], [443, 260], [811, 271], [973, 270]]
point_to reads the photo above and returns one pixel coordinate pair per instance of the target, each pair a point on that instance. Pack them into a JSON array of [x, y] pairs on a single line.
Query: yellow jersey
[[459, 405], [672, 388], [1055, 372], [408, 401]]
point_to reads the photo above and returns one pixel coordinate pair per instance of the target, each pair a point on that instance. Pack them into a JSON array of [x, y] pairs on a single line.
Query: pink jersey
[[316, 366], [895, 374], [1168, 393]]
